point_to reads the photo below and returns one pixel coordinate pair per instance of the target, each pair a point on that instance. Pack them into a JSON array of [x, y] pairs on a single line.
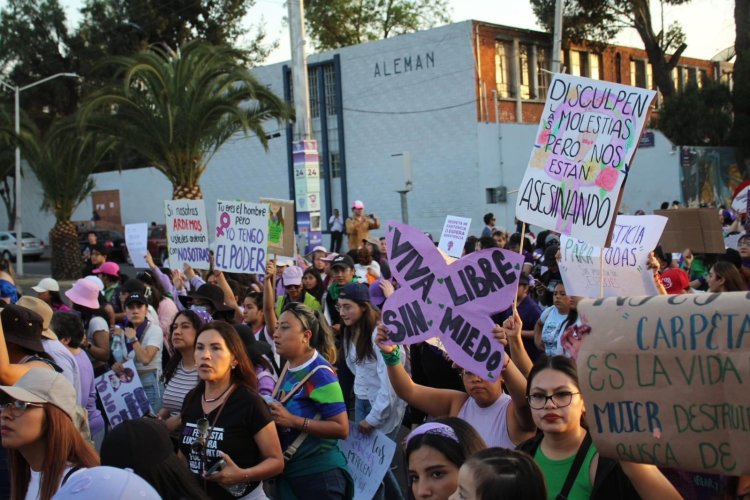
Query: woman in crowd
[[725, 277], [69, 330], [500, 473], [548, 329], [85, 297], [143, 343], [226, 398], [376, 403], [743, 247], [291, 279], [260, 355], [43, 444], [252, 313], [365, 267], [435, 452], [164, 305], [48, 290], [310, 413], [181, 374], [557, 407], [312, 282], [501, 419], [143, 446]]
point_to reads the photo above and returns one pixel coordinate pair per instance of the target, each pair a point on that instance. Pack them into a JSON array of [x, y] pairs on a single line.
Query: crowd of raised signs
[[246, 384]]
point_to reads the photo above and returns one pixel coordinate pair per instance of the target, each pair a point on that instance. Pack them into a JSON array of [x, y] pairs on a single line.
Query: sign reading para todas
[[241, 236], [187, 233], [582, 154], [625, 271], [665, 380], [368, 457], [453, 302]]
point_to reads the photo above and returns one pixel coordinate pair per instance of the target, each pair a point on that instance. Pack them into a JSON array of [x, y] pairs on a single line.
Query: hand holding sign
[[454, 302]]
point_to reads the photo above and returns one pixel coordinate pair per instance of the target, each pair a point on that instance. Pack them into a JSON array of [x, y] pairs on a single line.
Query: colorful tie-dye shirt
[[321, 394]]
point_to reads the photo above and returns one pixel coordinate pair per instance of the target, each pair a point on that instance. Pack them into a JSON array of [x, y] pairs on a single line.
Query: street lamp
[[17, 225]]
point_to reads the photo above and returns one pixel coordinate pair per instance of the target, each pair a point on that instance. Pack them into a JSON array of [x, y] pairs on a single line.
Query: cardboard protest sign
[[696, 228], [187, 233], [582, 154], [625, 271], [241, 236], [453, 237], [665, 380], [369, 458], [136, 239], [122, 396], [280, 226], [453, 302]]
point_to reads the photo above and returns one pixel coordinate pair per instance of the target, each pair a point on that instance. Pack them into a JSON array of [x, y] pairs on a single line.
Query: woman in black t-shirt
[[226, 420]]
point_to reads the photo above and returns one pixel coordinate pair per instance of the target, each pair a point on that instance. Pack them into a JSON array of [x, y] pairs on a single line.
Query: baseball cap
[[108, 268], [358, 205], [675, 281], [46, 285], [106, 482], [357, 292], [319, 248], [330, 257], [372, 241], [43, 310], [41, 385], [342, 260], [136, 297], [292, 276]]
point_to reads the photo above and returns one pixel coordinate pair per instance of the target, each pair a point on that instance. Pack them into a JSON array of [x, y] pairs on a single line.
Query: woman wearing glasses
[[228, 438], [557, 408], [310, 414], [44, 446]]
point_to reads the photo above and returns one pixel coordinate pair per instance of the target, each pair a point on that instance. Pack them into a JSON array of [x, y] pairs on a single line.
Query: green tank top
[[556, 471]]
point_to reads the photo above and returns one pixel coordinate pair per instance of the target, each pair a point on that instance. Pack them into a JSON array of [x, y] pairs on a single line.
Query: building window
[[335, 162], [575, 63], [542, 67], [312, 82], [638, 73], [330, 88], [503, 79], [618, 68], [595, 65], [524, 78], [703, 78]]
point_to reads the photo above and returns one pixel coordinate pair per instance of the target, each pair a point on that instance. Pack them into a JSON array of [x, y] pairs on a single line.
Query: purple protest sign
[[453, 302]]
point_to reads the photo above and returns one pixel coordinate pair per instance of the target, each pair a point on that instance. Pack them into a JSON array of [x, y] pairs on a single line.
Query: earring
[[234, 366]]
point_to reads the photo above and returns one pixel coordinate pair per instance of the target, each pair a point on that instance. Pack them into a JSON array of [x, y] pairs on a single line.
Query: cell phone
[[218, 466]]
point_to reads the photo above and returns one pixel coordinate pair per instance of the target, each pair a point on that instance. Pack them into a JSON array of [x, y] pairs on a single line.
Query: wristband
[[131, 341], [392, 358], [304, 425]]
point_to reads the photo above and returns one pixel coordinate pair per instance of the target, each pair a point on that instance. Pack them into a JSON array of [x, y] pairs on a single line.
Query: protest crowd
[[247, 382]]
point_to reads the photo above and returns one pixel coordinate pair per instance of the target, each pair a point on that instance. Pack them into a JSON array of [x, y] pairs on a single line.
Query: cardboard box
[[696, 228]]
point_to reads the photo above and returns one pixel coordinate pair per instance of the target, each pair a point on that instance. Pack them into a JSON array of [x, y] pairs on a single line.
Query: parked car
[[33, 247], [157, 243], [114, 241]]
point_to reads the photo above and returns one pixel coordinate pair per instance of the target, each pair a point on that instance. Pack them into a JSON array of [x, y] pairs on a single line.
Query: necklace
[[217, 397]]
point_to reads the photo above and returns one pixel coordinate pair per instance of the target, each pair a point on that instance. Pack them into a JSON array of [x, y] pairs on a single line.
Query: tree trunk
[[182, 192], [9, 200], [741, 91], [66, 253]]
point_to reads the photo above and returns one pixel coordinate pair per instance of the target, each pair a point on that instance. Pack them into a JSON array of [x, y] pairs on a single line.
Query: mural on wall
[[709, 175]]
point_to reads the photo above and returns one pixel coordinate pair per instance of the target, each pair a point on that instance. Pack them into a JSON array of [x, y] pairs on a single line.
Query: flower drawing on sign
[[607, 178], [539, 159]]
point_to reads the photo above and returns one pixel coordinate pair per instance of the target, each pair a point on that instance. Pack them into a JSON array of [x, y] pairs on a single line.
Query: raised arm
[[229, 298], [269, 296]]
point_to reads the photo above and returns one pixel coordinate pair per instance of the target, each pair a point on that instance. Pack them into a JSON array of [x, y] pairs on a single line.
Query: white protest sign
[[241, 237], [369, 458], [625, 271], [453, 237], [123, 397], [136, 239], [582, 154], [187, 233]]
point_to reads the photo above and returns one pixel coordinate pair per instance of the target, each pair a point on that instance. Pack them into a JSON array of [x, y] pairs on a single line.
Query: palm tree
[[63, 161], [175, 109]]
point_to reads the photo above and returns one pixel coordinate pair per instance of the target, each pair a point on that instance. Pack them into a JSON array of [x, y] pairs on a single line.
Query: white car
[[33, 247]]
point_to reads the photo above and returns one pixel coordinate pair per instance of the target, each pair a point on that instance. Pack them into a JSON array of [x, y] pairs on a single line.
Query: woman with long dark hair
[[228, 437], [48, 290], [43, 444], [165, 307], [85, 297], [312, 282], [725, 277]]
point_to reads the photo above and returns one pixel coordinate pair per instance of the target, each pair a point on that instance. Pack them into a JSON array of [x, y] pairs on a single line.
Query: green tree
[[600, 20], [698, 116], [741, 89], [177, 108], [63, 160], [7, 163], [340, 23]]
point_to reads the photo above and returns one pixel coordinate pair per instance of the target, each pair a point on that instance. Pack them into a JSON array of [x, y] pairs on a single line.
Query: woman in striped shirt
[[181, 375]]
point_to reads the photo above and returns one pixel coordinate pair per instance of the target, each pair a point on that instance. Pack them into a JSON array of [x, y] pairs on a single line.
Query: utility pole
[[557, 36], [304, 147]]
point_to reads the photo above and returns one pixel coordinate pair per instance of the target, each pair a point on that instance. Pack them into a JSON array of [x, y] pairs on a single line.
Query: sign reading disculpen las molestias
[[187, 233], [452, 302], [582, 154], [241, 236], [624, 262], [666, 378]]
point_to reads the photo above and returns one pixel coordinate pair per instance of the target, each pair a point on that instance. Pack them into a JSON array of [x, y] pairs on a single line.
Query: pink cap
[[292, 275], [108, 268], [358, 205], [84, 293]]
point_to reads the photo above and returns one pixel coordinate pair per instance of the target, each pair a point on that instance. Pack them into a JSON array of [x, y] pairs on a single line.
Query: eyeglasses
[[18, 407], [559, 399], [344, 307], [200, 444]]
